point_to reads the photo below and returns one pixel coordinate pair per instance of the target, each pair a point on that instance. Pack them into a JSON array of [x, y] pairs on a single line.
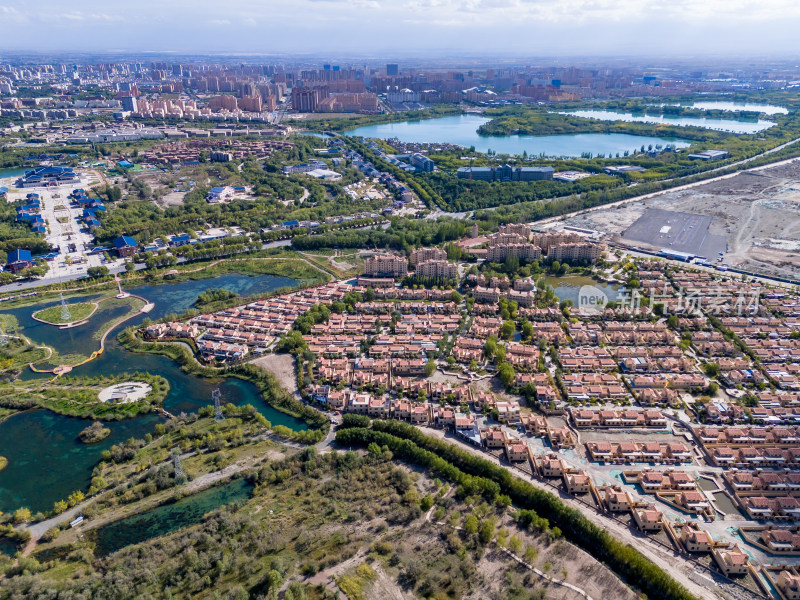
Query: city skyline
[[373, 27]]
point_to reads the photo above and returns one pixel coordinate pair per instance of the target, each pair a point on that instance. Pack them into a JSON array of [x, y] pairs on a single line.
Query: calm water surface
[[463, 131], [767, 109], [731, 125], [568, 287], [169, 517]]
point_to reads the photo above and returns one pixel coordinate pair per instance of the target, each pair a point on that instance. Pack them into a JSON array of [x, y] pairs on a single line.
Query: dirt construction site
[[756, 212]]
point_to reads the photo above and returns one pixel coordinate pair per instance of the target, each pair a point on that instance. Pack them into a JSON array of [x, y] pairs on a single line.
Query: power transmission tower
[[216, 396], [66, 316], [180, 476]]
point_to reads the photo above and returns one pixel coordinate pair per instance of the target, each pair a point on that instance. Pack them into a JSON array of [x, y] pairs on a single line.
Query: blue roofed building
[[125, 246], [18, 260], [47, 176], [180, 240]]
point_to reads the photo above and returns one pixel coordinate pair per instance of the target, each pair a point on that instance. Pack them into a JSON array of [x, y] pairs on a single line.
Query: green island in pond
[[94, 433], [77, 312]]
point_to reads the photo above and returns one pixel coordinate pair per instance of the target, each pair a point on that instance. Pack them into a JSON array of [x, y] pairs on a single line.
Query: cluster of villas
[[638, 452], [610, 418], [231, 334], [780, 508], [751, 447]]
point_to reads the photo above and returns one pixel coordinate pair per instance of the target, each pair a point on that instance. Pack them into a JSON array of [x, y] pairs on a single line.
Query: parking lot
[[679, 231]]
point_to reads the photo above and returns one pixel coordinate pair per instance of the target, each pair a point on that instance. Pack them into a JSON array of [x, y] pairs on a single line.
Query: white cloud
[[533, 27]]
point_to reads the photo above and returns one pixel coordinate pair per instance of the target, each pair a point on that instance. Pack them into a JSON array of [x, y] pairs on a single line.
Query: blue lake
[[463, 131]]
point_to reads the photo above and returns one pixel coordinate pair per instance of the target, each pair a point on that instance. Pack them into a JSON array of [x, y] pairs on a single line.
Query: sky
[[375, 28]]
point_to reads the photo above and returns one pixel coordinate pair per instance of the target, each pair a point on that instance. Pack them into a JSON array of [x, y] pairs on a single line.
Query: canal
[[167, 518]]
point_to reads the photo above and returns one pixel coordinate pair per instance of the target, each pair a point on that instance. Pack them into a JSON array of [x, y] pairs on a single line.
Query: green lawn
[[78, 312]]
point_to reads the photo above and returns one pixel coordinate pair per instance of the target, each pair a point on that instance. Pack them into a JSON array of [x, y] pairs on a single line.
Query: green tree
[[99, 271], [471, 525], [506, 373], [711, 369], [22, 515], [527, 330], [486, 530], [507, 330], [489, 347]]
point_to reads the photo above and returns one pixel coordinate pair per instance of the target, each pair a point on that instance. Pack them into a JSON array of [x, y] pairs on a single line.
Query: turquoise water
[[47, 462], [463, 130], [167, 518], [732, 125], [13, 172]]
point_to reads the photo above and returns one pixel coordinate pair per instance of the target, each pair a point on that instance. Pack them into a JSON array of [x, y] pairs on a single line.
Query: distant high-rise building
[[129, 103], [392, 69], [304, 99]]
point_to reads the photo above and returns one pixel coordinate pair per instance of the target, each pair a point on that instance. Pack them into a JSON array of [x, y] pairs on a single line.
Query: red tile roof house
[[648, 519], [420, 414], [789, 584], [696, 540], [692, 501], [758, 507], [618, 500], [652, 481], [516, 452], [600, 451], [577, 483], [494, 438], [780, 540], [731, 561], [551, 466]]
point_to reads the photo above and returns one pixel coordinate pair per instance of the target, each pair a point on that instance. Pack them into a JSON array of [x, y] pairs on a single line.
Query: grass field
[[78, 312]]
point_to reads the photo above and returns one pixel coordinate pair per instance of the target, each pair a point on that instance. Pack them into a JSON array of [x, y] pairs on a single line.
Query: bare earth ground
[[282, 366], [758, 211]]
